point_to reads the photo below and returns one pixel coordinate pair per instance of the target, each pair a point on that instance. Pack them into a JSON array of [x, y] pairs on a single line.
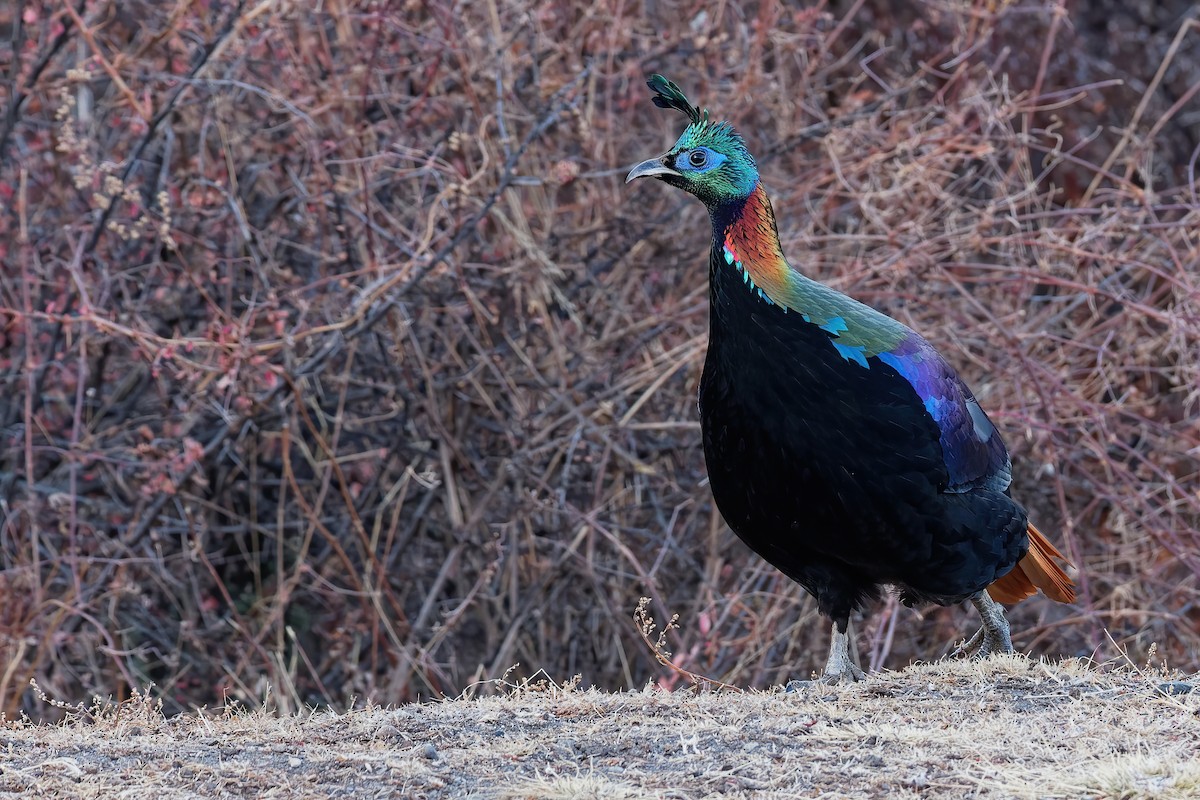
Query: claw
[[968, 647]]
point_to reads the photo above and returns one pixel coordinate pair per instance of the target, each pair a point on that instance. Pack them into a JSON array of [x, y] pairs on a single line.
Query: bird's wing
[[974, 454], [972, 448]]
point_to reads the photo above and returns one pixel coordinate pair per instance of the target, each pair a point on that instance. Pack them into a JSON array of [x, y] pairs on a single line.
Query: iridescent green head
[[710, 159]]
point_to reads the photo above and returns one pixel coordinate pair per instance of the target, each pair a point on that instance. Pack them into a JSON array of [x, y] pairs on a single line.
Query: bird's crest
[[668, 95]]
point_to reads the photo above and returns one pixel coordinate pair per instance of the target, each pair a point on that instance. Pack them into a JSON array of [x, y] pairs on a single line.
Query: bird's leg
[[843, 655], [993, 637]]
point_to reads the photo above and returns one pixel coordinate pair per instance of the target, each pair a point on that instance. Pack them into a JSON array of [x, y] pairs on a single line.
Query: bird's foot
[[852, 674], [829, 678], [993, 637], [842, 666]]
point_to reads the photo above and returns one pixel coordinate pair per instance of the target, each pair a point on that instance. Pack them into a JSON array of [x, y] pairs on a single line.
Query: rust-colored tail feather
[[1037, 570]]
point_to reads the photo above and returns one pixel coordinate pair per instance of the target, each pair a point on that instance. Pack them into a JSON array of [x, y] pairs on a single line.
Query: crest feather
[[668, 95]]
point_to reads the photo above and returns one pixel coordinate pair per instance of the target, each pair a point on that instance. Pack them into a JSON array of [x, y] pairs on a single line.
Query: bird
[[840, 445]]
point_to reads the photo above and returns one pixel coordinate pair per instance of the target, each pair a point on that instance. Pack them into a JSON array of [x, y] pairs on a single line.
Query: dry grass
[[1007, 728], [337, 362]]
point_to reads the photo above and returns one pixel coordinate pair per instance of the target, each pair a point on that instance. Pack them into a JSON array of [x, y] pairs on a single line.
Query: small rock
[[429, 751], [389, 732]]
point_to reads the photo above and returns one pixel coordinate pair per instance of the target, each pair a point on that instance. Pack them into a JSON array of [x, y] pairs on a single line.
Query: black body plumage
[[834, 473]]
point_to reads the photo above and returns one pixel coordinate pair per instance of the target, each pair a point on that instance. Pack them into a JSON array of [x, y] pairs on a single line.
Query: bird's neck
[[746, 238]]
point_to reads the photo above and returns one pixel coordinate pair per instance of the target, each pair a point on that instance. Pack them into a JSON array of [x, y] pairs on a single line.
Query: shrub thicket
[[338, 362]]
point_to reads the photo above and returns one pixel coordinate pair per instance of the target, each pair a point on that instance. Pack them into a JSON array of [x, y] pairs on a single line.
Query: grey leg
[[993, 637], [843, 655]]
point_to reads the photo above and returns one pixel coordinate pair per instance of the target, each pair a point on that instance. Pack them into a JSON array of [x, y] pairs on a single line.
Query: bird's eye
[[698, 158]]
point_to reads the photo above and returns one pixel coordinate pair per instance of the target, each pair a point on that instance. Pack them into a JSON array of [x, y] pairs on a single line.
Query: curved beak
[[651, 167]]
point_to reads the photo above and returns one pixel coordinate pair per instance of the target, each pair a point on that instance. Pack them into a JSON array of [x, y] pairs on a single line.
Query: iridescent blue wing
[[972, 448]]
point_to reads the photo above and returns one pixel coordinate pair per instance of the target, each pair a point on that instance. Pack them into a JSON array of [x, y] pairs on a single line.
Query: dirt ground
[[1007, 727]]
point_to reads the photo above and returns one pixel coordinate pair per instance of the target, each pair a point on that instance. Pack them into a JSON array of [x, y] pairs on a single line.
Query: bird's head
[[710, 159]]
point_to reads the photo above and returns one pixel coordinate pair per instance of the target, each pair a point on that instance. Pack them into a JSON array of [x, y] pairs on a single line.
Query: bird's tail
[[1037, 570]]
